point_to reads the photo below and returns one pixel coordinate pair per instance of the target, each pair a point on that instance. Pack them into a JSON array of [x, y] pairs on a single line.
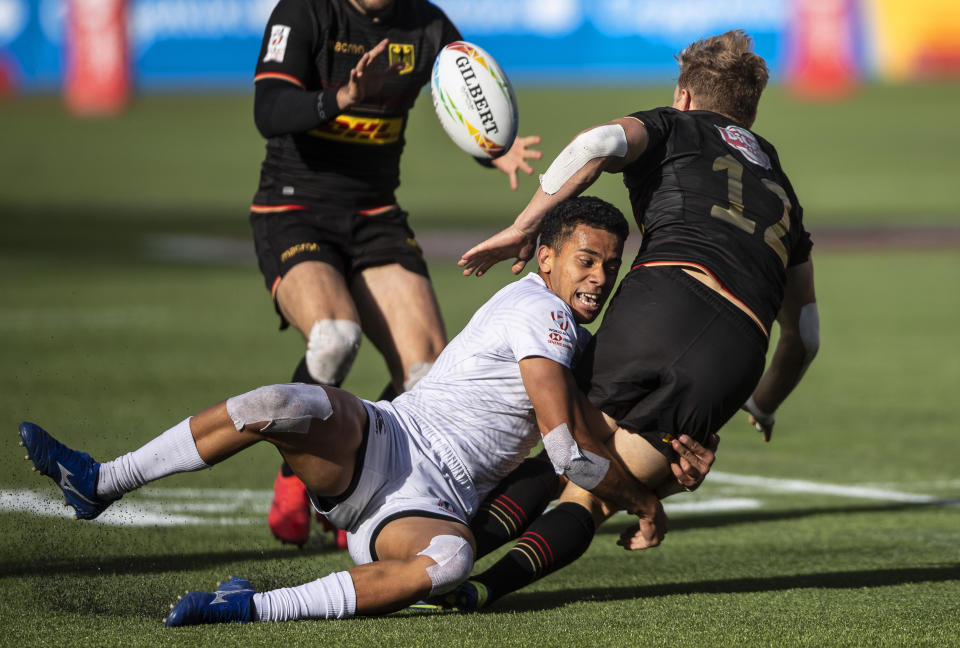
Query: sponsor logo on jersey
[[401, 53], [277, 46], [362, 130], [349, 48], [561, 319], [745, 142], [559, 338]]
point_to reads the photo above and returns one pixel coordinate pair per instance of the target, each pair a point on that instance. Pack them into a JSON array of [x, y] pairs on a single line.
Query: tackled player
[[405, 477]]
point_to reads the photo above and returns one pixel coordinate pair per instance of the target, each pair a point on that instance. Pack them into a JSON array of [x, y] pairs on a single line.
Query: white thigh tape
[[582, 467], [602, 141], [286, 408], [454, 558]]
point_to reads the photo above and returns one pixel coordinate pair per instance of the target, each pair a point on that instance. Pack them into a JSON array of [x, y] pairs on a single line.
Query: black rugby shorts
[[671, 357], [349, 240]]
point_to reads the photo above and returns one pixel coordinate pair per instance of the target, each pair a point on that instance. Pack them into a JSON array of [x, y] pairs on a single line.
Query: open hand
[[511, 242], [693, 461], [516, 158]]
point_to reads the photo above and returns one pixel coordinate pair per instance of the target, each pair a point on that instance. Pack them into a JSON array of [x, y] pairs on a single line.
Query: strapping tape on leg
[[454, 558], [286, 408], [417, 371], [331, 349]]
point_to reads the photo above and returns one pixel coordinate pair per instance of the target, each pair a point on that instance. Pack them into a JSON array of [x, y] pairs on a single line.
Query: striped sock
[[554, 540], [518, 499]]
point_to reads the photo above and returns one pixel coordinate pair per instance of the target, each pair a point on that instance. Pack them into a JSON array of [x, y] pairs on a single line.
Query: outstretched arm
[[574, 435], [607, 147], [798, 344]]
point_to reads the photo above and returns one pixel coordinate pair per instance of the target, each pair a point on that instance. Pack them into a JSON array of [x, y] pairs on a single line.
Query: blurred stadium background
[[131, 297]]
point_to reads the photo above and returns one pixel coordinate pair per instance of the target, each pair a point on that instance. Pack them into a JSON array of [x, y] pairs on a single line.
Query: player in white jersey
[[404, 477]]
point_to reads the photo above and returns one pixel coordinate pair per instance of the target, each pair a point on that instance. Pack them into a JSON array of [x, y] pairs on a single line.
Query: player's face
[[584, 270]]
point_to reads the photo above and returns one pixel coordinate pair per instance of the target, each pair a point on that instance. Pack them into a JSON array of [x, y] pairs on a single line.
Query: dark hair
[[724, 75], [559, 222]]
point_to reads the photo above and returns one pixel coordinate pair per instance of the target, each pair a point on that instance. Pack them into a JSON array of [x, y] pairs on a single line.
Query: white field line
[[142, 512], [195, 506], [775, 485]]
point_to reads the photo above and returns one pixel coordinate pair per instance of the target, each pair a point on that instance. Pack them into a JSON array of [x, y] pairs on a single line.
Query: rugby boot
[[74, 472], [468, 596], [230, 603], [289, 517]]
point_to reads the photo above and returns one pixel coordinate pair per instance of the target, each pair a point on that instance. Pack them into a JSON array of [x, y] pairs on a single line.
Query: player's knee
[[416, 371], [453, 556], [331, 349], [285, 408]]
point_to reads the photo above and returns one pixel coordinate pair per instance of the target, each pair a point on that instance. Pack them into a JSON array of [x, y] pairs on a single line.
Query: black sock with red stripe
[[554, 540], [517, 500]]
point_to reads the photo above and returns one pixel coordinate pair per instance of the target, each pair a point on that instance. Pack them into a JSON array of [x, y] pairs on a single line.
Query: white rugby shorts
[[404, 474]]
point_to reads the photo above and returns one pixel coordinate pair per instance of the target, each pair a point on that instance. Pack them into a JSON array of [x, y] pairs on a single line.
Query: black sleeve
[[284, 69], [280, 107]]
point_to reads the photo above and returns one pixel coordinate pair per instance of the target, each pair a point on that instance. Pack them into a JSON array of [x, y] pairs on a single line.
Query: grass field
[[844, 531]]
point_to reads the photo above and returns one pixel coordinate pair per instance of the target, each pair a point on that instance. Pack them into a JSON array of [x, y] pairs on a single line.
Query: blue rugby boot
[[231, 603], [74, 472]]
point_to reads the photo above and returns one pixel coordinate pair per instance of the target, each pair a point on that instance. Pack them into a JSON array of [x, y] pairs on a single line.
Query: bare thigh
[[399, 313], [313, 291], [399, 577], [641, 459]]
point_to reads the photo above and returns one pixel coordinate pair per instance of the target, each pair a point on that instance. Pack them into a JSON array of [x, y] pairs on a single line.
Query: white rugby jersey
[[473, 399]]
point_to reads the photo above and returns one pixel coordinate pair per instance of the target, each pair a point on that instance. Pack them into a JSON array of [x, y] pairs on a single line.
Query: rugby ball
[[474, 100]]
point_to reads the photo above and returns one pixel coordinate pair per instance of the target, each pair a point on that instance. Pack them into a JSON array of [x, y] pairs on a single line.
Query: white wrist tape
[[582, 467], [809, 334], [602, 141], [763, 418]]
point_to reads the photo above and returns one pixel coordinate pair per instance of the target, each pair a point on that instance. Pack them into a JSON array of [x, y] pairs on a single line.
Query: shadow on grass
[[534, 601], [685, 522], [143, 565]]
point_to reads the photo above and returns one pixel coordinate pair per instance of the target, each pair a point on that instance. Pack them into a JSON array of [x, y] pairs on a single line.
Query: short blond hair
[[724, 75]]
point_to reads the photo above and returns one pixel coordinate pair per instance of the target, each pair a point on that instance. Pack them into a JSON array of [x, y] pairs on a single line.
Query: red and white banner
[[97, 72], [821, 56]]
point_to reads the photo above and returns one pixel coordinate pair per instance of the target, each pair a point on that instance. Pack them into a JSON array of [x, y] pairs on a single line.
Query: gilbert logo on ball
[[474, 100]]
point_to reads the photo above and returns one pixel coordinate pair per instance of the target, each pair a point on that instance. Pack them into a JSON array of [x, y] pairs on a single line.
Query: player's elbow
[[266, 115], [262, 118], [809, 331]]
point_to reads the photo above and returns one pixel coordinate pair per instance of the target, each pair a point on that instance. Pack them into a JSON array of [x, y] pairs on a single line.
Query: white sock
[[330, 597], [174, 451]]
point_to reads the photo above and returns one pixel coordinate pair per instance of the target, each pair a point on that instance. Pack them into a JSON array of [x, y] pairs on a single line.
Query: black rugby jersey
[[353, 159], [712, 193]]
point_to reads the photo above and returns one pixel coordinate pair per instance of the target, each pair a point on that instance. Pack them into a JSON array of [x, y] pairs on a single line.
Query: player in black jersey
[[334, 82], [683, 343]]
